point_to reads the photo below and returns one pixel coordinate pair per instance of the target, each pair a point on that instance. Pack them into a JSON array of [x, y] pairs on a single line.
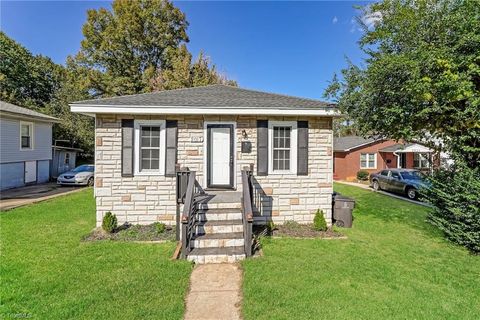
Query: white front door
[[30, 171], [220, 158]]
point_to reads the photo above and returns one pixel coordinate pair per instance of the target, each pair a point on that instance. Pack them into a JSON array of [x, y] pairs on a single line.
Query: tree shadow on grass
[[390, 210]]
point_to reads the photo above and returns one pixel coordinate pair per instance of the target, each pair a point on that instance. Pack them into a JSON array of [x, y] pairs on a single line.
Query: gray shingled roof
[[13, 109], [350, 142], [215, 96]]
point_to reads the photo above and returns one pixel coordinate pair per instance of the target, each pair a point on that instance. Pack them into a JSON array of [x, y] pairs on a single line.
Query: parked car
[[80, 176], [403, 181]]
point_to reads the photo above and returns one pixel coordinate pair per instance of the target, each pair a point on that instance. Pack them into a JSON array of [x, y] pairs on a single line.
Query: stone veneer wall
[[146, 199]]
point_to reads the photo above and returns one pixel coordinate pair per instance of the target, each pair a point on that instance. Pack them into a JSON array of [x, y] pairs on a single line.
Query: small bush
[[362, 175], [159, 227], [270, 226], [319, 222], [109, 223], [454, 193]]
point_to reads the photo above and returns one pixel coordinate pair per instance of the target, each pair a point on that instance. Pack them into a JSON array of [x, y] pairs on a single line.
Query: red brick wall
[[347, 164]]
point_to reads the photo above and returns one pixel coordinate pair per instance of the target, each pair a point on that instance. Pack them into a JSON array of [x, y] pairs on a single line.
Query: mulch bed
[[296, 230], [145, 233]]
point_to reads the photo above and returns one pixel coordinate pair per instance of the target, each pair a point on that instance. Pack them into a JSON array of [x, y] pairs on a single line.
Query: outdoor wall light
[[244, 134]]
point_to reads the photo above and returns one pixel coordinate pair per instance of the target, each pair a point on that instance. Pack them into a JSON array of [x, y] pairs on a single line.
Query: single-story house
[[354, 153], [215, 131], [63, 159], [25, 146]]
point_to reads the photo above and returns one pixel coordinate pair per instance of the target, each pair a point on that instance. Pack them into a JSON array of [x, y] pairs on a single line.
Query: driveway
[[393, 195], [18, 197]]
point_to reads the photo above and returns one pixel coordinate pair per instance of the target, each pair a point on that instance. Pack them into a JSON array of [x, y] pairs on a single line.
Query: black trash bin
[[342, 210]]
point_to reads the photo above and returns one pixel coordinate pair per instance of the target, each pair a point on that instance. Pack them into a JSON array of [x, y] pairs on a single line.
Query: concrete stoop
[[219, 235]]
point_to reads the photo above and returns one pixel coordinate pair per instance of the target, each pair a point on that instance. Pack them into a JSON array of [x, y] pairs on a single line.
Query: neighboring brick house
[[354, 153], [215, 131]]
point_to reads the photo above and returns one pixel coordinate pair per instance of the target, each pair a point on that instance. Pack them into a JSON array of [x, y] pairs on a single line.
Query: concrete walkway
[[18, 197], [215, 292], [393, 195]]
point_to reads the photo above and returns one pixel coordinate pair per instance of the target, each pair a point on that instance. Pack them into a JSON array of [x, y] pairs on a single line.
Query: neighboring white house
[[25, 146]]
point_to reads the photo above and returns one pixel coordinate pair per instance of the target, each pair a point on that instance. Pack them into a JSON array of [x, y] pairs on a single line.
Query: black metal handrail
[[187, 193], [247, 210]]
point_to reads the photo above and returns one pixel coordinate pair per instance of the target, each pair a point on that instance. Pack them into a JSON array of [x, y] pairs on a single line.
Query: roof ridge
[[145, 93], [278, 94]]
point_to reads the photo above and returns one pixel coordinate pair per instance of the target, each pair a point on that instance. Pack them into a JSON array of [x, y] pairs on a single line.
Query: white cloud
[[371, 19], [353, 25], [335, 20]]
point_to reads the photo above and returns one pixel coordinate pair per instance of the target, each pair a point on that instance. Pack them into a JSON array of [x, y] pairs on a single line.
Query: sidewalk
[[366, 187], [215, 292], [18, 197]]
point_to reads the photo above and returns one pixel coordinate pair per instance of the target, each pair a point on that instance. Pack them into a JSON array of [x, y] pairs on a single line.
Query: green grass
[[392, 266], [48, 273]]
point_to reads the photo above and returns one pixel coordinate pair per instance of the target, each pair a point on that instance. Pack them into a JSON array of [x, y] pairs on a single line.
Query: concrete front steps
[[219, 235]]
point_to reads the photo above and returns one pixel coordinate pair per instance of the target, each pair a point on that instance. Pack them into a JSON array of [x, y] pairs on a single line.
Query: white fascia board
[[94, 109]]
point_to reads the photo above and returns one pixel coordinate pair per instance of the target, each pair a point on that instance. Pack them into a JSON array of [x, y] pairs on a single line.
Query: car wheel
[[376, 185], [411, 193], [90, 182]]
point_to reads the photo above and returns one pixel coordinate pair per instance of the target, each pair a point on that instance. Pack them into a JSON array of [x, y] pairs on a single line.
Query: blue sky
[[284, 47]]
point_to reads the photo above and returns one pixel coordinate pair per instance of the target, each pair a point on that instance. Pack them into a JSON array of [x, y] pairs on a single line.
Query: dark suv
[[404, 181]]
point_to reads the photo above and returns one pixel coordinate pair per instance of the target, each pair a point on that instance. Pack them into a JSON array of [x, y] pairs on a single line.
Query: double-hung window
[[149, 147], [282, 147], [26, 135], [421, 160], [368, 161]]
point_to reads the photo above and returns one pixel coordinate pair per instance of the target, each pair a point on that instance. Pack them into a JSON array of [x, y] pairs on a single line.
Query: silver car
[[80, 176]]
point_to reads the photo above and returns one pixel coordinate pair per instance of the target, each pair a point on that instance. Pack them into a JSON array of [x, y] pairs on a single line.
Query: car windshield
[[411, 175], [83, 168]]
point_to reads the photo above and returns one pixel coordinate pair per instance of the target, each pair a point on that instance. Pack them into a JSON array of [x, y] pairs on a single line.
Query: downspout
[[398, 158]]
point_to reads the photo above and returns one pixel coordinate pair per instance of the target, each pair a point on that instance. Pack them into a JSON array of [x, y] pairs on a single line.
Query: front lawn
[[48, 273], [392, 266]]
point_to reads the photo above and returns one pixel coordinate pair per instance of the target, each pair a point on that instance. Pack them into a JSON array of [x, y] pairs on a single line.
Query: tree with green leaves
[[139, 46], [183, 73], [25, 79], [422, 74], [125, 45], [421, 81]]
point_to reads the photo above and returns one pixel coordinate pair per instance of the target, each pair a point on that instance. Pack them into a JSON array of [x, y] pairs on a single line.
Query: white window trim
[[161, 166], [293, 147], [32, 135], [420, 155], [374, 160]]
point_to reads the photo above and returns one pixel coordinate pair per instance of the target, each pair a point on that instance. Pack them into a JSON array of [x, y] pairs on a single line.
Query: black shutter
[[171, 148], [262, 147], [302, 148], [127, 148]]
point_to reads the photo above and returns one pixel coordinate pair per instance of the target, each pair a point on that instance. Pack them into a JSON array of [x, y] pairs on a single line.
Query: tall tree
[[422, 74], [76, 128], [182, 73], [25, 79], [421, 80], [123, 45], [139, 46]]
